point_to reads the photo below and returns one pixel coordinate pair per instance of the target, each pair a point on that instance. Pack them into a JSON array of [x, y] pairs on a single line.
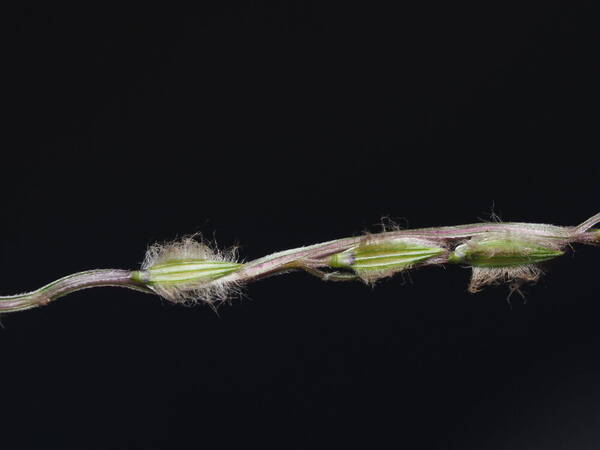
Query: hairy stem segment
[[189, 269]]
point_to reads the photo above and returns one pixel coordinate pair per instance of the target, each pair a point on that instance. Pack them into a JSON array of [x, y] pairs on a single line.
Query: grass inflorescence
[[190, 270]]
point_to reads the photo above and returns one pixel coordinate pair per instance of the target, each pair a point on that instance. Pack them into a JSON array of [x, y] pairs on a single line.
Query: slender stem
[[288, 259], [586, 225], [69, 284]]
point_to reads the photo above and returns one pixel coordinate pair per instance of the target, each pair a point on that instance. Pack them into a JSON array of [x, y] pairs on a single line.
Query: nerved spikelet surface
[[374, 259], [505, 258], [189, 270]]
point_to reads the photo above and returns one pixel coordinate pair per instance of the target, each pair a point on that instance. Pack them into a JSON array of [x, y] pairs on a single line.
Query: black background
[[275, 125]]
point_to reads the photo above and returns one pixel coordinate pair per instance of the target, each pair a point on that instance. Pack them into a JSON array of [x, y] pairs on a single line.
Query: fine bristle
[[514, 276]]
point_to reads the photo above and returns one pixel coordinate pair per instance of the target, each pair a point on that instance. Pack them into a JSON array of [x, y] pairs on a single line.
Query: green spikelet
[[503, 251], [372, 260], [185, 271]]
